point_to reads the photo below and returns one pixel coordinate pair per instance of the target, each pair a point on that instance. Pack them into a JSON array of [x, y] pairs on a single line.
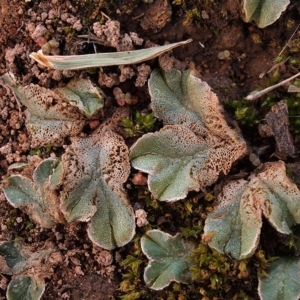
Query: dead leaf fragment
[[277, 119]]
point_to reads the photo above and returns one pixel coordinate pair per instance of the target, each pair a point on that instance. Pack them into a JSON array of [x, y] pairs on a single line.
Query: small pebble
[[19, 220]]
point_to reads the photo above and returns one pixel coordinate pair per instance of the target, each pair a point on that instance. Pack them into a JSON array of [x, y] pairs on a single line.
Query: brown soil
[[87, 272]]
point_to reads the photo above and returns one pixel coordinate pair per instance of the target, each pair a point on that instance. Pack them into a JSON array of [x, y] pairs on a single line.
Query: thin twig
[[289, 40], [106, 16], [139, 16], [92, 38], [258, 94], [274, 67], [283, 62]]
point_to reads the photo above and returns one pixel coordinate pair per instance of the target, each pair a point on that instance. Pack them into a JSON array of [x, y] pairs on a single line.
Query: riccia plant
[[24, 287], [263, 12], [87, 185], [233, 229], [90, 177], [168, 258], [241, 205], [283, 280], [28, 268], [96, 168], [38, 198], [53, 115], [196, 143]]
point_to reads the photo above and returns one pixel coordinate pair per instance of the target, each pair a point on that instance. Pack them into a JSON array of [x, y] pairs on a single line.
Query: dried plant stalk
[[76, 62], [257, 94]]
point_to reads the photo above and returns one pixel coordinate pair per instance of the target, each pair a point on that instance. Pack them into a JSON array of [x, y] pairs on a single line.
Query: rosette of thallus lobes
[[86, 183], [195, 145]]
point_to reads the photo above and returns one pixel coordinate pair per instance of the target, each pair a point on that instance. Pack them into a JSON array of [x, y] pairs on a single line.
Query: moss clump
[[132, 285], [244, 112], [249, 114], [212, 270], [215, 276], [224, 278], [191, 15], [139, 124], [293, 104]]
